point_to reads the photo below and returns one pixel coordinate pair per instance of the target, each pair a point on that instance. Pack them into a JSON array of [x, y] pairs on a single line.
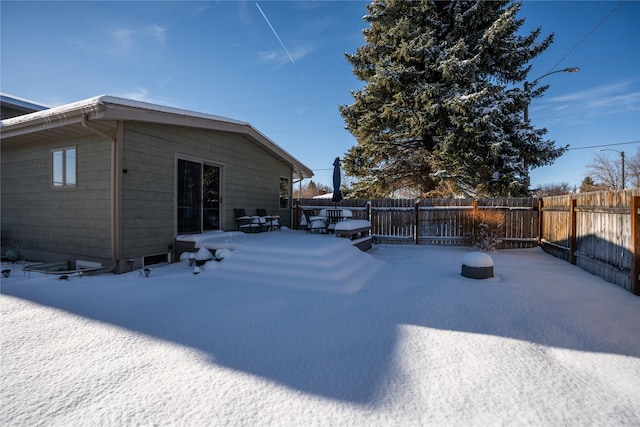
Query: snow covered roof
[[100, 102], [104, 108], [324, 196], [12, 106]]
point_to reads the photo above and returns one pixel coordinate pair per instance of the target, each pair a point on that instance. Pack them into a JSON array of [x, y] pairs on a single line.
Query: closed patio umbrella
[[337, 195]]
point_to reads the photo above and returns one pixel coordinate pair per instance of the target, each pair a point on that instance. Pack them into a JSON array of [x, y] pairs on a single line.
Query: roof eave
[[52, 118], [112, 108]]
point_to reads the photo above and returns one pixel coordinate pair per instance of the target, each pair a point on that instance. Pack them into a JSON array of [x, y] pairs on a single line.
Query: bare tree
[[310, 190], [554, 189], [606, 171], [632, 169]]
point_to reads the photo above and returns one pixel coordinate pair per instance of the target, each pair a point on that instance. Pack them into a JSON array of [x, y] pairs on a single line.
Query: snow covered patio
[[298, 329]]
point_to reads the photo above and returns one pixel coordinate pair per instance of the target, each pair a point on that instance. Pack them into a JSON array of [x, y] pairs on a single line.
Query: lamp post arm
[[529, 85], [533, 83], [565, 70]]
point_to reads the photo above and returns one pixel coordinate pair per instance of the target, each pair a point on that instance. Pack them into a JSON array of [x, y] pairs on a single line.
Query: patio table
[[273, 221]]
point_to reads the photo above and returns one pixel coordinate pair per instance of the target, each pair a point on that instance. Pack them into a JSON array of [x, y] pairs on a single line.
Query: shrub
[[483, 227], [13, 255]]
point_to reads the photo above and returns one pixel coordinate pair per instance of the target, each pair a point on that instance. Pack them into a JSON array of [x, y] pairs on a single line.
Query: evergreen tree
[[588, 184], [440, 108], [554, 189]]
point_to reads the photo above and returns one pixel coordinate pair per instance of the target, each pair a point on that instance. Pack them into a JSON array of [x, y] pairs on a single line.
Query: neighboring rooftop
[[12, 106]]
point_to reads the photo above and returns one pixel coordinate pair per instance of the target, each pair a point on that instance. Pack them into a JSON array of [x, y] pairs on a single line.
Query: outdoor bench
[[357, 230]]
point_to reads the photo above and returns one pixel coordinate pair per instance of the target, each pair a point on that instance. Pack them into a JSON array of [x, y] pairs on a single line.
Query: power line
[[604, 145], [593, 30]]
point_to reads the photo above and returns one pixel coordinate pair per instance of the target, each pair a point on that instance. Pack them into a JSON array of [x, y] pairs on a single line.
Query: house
[[111, 181], [12, 106]]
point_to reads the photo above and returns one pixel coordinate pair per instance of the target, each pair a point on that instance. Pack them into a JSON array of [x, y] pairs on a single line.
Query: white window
[[63, 162]]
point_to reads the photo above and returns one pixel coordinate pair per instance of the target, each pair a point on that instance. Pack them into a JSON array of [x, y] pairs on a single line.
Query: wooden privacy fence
[[438, 221], [599, 232]]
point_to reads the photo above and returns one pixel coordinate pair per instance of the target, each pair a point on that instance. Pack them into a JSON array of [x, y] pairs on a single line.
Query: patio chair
[[245, 222], [333, 217], [272, 221], [314, 223]]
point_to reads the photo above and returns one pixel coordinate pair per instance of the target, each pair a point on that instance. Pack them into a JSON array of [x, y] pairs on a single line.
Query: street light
[[528, 86], [527, 90], [622, 159]]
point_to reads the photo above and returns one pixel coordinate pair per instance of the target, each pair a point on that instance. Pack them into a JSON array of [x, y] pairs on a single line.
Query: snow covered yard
[[299, 329]]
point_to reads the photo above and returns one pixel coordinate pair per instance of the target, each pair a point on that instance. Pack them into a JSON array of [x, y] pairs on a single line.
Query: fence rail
[[599, 232]]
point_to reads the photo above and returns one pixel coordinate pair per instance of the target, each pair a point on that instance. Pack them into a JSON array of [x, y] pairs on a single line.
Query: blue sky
[[280, 66]]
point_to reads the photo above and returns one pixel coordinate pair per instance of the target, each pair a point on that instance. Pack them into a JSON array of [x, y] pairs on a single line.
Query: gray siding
[[75, 223], [148, 187], [250, 179], [37, 217]]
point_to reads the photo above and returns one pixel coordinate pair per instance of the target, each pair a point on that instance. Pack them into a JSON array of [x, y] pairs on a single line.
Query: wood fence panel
[[555, 228], [603, 235], [635, 244], [520, 228], [392, 221], [439, 221], [521, 221], [598, 239]]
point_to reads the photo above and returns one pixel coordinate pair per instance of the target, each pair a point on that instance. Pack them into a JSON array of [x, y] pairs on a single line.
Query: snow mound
[[203, 254], [477, 260], [307, 261]]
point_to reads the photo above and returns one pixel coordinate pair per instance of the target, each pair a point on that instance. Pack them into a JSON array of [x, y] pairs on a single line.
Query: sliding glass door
[[210, 197], [198, 196]]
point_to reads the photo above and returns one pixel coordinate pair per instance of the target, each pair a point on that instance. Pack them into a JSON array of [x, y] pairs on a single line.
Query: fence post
[[635, 245], [572, 230], [416, 227], [540, 219], [295, 222], [368, 212]]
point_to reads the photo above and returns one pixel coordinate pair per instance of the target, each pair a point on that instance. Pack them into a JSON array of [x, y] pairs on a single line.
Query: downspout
[[116, 188]]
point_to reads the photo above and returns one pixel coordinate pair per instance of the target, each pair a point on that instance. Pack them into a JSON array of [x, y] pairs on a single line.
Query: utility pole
[[527, 90]]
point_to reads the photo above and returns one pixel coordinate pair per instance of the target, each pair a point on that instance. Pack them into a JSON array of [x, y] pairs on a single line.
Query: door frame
[[202, 161]]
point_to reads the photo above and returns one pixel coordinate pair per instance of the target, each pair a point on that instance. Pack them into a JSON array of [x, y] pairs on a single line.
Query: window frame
[[284, 179], [64, 169]]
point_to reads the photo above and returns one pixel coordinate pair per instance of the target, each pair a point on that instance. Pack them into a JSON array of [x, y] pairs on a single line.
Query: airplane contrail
[[276, 34]]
